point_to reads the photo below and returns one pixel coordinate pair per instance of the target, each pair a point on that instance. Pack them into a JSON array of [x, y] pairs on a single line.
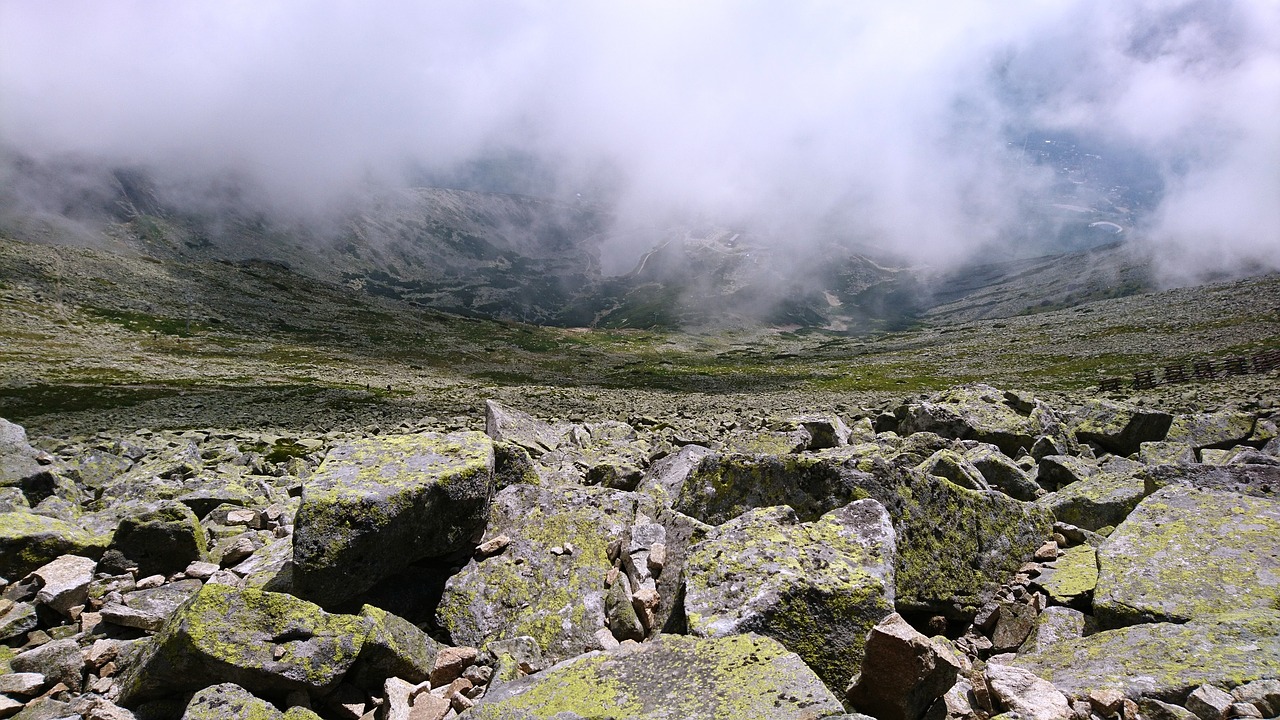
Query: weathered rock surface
[[977, 412], [903, 672], [1103, 498], [1163, 660], [394, 647], [1021, 691], [1210, 430], [1256, 480], [505, 424], [377, 505], [268, 643], [1120, 428], [64, 583], [28, 541], [1072, 577], [1185, 554], [556, 598], [742, 676], [150, 608], [817, 588], [228, 701], [162, 540]]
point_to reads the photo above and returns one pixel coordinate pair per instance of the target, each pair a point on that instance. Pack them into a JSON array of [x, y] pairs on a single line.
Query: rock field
[[969, 553]]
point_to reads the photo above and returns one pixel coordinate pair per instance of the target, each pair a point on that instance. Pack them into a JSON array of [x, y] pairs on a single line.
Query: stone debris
[[971, 553]]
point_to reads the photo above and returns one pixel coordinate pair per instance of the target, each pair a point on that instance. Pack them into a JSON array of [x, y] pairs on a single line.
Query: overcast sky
[[903, 124]]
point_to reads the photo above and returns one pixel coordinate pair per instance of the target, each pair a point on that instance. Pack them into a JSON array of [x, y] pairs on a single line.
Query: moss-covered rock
[[1163, 660], [817, 588], [379, 504], [1072, 577], [1001, 472], [394, 647], [162, 540], [557, 598], [1119, 427], [976, 412], [1100, 499], [268, 643], [730, 678], [1185, 554], [1210, 430], [664, 480], [28, 541], [228, 701], [955, 467], [1256, 480]]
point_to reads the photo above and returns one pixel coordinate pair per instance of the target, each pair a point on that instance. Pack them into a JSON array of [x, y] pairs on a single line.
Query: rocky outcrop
[[378, 505], [742, 676]]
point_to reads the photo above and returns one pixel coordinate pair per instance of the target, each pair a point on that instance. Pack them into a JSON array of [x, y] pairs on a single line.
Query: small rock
[[492, 547], [1244, 710], [199, 570], [903, 672], [657, 558], [248, 517], [151, 581], [64, 583], [450, 663], [1209, 702], [1047, 551], [24, 684], [1107, 701], [1023, 692]]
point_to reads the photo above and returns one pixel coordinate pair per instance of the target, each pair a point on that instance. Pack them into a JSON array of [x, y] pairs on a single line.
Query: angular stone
[[229, 701], [1054, 472], [22, 684], [394, 647], [955, 467], [1163, 660], [504, 424], [1021, 691], [17, 621], [817, 588], [1013, 624], [1187, 553], [268, 643], [974, 412], [742, 676], [1165, 453], [681, 533], [1001, 472], [558, 599], [1100, 500], [1120, 428], [825, 431], [451, 663], [1209, 702], [1154, 709], [665, 478], [1072, 577], [64, 583], [1256, 480], [149, 609], [28, 541], [903, 672], [379, 504], [1262, 694], [620, 613], [1211, 430], [162, 541], [58, 661], [1054, 624]]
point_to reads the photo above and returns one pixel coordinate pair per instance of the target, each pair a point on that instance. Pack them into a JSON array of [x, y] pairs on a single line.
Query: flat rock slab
[[1100, 500], [1120, 428], [557, 598], [1256, 480], [1163, 660], [149, 609], [672, 678], [1071, 577], [379, 504], [817, 588], [1186, 553]]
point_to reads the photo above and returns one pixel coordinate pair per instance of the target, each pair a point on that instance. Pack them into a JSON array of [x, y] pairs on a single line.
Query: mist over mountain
[[585, 160]]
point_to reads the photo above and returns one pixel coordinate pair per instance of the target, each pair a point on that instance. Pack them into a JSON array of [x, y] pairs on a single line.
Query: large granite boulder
[[1211, 430], [1257, 480], [161, 540], [28, 541], [729, 678], [228, 701], [1102, 498], [508, 425], [268, 643], [1118, 427], [903, 672], [1163, 660], [978, 412], [817, 588], [376, 505], [548, 581], [1185, 554]]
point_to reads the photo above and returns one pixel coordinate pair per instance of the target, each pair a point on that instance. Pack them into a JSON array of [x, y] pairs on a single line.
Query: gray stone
[[64, 583], [1099, 500], [975, 412], [1209, 702], [1256, 480], [1055, 624], [59, 661], [1119, 427], [742, 676], [825, 431], [817, 588], [1163, 660], [1262, 694], [1021, 691], [955, 467], [1186, 553], [903, 672], [148, 609], [377, 505], [1013, 624], [529, 591], [394, 647], [229, 701], [28, 541], [1211, 430], [665, 478], [1154, 709], [620, 613], [18, 621], [504, 424], [22, 684], [268, 643], [163, 540], [1001, 472]]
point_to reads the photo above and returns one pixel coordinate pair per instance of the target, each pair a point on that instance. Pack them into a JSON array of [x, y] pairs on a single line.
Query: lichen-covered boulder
[[730, 678], [64, 583], [394, 647], [505, 424], [817, 588], [1210, 430], [28, 541], [1103, 498], [1120, 428], [162, 540], [150, 608], [548, 583], [378, 504], [228, 701], [665, 478], [1163, 660], [1001, 472], [1256, 480], [1185, 554], [268, 643], [1072, 577], [955, 467], [956, 546], [723, 487], [976, 412]]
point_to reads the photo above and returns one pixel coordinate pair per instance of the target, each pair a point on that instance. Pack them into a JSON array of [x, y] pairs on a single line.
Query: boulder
[[381, 503], [28, 541], [1054, 624], [549, 582], [1210, 430], [59, 661], [1100, 499], [955, 467], [742, 676], [228, 701], [161, 540], [508, 425], [903, 672], [1020, 691], [1185, 554], [394, 647], [817, 588], [149, 608], [1118, 427], [1209, 702], [1163, 660], [1256, 480], [64, 583], [975, 412], [825, 431], [664, 479], [1001, 472], [17, 621], [268, 643], [1072, 577]]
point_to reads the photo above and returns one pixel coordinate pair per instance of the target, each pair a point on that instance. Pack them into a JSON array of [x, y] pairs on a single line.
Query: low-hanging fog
[[923, 129]]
